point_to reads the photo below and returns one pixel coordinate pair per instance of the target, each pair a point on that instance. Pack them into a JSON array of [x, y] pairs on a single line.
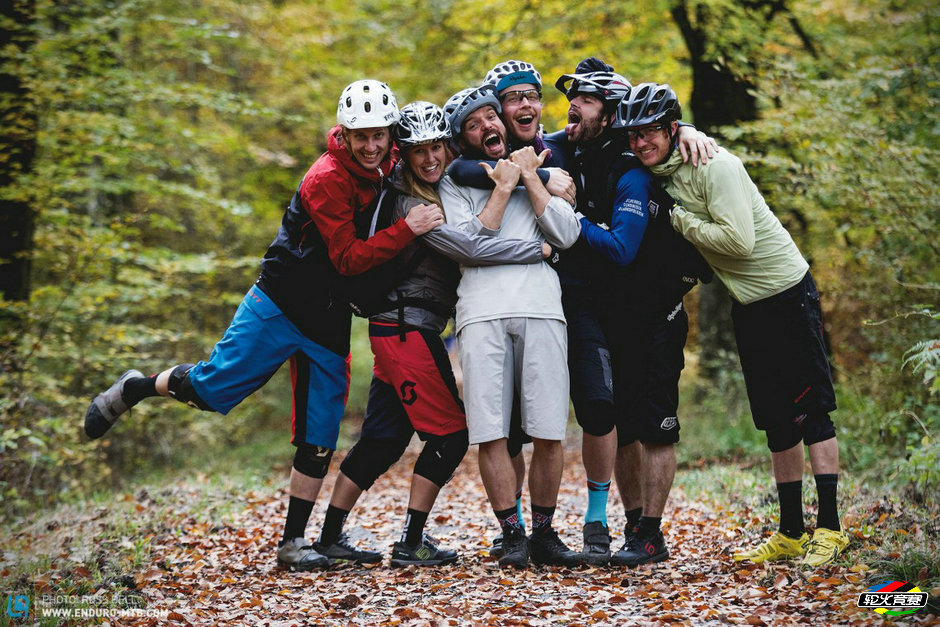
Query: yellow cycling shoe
[[825, 546], [777, 547]]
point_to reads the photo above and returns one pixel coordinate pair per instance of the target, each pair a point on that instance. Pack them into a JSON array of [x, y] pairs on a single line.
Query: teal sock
[[597, 502], [519, 509]]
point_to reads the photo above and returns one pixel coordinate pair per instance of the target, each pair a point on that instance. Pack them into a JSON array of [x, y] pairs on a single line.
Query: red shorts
[[419, 372]]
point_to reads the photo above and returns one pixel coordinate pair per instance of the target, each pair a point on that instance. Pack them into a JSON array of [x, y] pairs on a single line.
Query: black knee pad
[[181, 388], [441, 456], [596, 418], [312, 461], [369, 459]]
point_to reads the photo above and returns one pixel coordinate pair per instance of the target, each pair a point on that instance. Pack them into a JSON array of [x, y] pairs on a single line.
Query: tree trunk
[[718, 98], [18, 145]]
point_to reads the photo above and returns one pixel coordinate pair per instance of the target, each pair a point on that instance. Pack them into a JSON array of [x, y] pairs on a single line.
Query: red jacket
[[317, 242], [334, 189]]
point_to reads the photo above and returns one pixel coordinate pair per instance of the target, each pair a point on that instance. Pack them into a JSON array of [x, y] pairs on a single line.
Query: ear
[[673, 127]]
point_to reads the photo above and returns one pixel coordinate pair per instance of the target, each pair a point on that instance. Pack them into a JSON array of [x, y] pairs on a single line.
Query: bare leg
[[627, 470], [496, 471], [788, 464], [304, 487], [345, 493], [598, 454], [824, 457], [545, 472], [660, 470], [423, 494]]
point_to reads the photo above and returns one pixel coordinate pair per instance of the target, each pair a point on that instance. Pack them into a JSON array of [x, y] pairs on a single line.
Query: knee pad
[[369, 459], [181, 388], [596, 418], [441, 456], [312, 461]]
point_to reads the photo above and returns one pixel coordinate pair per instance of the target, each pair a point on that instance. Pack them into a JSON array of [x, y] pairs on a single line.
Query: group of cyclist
[[564, 259]]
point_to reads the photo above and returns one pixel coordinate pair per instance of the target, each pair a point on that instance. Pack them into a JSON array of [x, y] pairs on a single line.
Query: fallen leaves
[[224, 572]]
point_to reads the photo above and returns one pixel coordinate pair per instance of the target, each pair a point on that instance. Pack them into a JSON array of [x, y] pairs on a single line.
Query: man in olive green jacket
[[776, 314]]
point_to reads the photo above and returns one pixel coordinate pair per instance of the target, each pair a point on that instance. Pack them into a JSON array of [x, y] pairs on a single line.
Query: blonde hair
[[414, 186]]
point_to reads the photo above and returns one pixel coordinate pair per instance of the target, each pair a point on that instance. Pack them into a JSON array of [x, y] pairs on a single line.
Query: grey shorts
[[500, 357]]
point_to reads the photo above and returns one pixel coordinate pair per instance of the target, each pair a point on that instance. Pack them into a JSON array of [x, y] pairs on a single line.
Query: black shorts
[[786, 369], [589, 361], [646, 379]]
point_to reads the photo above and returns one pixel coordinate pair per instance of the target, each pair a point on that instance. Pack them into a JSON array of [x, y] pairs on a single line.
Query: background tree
[[169, 135]]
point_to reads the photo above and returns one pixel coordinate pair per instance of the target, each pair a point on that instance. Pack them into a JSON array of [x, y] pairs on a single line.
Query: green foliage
[[171, 135]]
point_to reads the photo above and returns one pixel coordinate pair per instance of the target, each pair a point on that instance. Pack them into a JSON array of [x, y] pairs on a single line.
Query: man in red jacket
[[293, 312]]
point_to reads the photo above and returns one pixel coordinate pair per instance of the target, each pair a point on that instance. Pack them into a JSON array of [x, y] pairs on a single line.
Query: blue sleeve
[[468, 173], [628, 223]]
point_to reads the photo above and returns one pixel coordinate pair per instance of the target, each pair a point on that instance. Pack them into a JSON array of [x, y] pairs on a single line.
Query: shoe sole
[[593, 559], [406, 563], [653, 559], [353, 560], [515, 562], [298, 568]]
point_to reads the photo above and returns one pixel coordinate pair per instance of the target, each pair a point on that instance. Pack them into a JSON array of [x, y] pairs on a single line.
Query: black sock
[[790, 495], [828, 516], [333, 524], [542, 518], [633, 517], [137, 389], [414, 527], [508, 517], [298, 513], [648, 526]]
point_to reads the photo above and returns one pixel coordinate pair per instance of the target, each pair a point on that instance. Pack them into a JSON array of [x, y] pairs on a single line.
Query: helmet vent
[[367, 106]]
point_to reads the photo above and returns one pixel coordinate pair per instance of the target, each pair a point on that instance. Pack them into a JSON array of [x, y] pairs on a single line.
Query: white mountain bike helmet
[[367, 103], [421, 123]]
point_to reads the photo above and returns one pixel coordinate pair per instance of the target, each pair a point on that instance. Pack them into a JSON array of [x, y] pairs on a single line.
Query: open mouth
[[525, 120], [492, 140], [574, 117]]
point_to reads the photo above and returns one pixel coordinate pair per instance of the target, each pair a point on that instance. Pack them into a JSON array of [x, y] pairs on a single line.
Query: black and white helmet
[[512, 72], [367, 103], [468, 100], [647, 103], [421, 123], [609, 87]]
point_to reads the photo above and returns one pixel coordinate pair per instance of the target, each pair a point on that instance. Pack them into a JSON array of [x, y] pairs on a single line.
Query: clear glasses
[[645, 133], [515, 97]]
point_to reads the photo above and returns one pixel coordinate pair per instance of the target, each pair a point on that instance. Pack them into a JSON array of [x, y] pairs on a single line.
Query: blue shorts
[[256, 343]]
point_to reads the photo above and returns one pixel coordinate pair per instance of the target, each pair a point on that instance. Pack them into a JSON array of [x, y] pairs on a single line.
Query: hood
[[337, 148]]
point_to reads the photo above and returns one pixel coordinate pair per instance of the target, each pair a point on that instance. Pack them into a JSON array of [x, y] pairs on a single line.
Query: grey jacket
[[436, 277]]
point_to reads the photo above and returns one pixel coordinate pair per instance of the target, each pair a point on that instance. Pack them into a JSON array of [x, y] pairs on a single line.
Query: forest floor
[[202, 551]]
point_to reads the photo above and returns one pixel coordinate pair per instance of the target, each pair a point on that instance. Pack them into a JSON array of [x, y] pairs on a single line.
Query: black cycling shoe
[[342, 549], [515, 548], [425, 554], [596, 551], [641, 550], [548, 549]]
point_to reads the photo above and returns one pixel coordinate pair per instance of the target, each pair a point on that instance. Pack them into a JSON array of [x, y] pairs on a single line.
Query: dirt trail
[[216, 575]]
